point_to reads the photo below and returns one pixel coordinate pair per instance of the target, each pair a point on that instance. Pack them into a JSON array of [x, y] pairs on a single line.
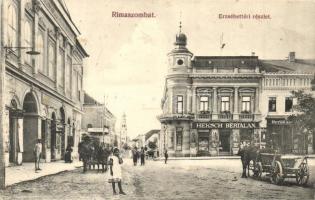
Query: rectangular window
[[68, 74], [61, 64], [272, 104], [245, 104], [204, 103], [288, 104], [51, 61], [179, 104], [225, 104], [179, 138], [75, 85]]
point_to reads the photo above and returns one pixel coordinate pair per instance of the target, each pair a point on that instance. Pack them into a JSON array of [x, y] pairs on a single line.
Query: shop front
[[223, 138], [286, 137]]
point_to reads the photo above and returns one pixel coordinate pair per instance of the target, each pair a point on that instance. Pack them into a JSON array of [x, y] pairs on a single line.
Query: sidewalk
[[311, 156], [26, 171]]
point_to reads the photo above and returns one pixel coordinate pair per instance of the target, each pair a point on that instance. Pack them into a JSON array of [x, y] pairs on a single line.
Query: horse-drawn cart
[[279, 167]]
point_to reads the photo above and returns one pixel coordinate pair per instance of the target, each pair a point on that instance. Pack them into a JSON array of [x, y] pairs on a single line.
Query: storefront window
[[245, 104], [225, 104], [204, 103], [203, 141], [288, 104], [272, 104]]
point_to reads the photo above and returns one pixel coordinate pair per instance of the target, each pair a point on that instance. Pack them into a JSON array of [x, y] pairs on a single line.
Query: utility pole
[[2, 110]]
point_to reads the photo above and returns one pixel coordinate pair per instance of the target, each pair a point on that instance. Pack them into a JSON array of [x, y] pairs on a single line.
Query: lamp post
[[5, 51]]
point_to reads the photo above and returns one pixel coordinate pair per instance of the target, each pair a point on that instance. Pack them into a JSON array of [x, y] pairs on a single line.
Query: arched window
[[12, 26], [28, 40], [41, 49]]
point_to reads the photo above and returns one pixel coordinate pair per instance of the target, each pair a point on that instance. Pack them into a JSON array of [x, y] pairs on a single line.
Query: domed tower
[[179, 59]]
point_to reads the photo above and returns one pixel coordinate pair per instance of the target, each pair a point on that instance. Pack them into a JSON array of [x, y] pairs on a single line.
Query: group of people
[[139, 155]]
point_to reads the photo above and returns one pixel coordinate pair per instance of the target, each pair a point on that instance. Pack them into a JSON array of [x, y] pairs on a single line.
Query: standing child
[[115, 162]]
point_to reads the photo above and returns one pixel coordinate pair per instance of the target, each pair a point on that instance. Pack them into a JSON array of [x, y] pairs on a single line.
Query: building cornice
[[226, 75], [29, 79]]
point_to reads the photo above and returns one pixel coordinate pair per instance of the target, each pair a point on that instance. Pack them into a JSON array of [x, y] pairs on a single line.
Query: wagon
[[279, 167]]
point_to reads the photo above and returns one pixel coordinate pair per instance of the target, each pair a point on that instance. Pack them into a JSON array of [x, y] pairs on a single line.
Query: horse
[[85, 152], [248, 154], [102, 157]]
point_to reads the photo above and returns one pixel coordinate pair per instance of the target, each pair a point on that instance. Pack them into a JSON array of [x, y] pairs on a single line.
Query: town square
[[109, 99]]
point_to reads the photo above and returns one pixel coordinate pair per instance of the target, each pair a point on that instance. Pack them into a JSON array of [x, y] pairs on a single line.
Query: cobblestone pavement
[[193, 179]]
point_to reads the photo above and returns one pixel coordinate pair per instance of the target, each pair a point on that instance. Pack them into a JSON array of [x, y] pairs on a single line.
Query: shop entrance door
[[224, 138], [203, 144]]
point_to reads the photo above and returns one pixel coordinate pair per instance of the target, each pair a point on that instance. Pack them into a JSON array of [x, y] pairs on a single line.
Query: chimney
[[253, 53], [292, 56]]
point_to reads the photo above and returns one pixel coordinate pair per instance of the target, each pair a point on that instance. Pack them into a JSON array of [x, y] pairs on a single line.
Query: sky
[[128, 56]]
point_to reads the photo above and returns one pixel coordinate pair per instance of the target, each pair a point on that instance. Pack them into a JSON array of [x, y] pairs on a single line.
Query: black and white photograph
[[157, 100]]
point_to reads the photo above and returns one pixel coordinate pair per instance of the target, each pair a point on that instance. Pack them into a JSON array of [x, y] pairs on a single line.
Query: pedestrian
[[37, 154], [142, 155], [135, 156], [68, 154], [115, 162], [166, 156]]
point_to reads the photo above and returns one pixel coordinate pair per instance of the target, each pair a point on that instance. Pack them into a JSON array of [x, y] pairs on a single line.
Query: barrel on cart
[[279, 167]]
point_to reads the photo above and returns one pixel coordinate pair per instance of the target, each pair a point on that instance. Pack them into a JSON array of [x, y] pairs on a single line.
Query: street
[[180, 179]]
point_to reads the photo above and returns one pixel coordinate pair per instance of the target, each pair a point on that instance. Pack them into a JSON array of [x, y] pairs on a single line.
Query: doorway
[[30, 126], [53, 137], [224, 139], [203, 144]]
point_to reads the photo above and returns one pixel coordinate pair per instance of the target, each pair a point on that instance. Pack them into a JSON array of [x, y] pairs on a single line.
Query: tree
[[152, 145], [304, 118]]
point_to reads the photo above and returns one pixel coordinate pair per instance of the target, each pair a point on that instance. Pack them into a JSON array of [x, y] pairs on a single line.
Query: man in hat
[[37, 153]]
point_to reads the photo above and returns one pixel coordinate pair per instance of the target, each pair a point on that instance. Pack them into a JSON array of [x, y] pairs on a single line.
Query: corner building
[[210, 103], [43, 93]]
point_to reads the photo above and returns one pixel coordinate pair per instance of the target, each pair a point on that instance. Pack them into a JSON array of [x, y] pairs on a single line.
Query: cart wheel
[[259, 169], [303, 174], [277, 173], [256, 170]]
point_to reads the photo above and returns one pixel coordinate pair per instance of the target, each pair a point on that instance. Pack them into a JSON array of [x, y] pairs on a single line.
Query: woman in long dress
[[115, 162]]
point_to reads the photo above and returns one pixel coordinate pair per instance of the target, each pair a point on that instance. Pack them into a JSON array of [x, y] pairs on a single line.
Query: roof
[[226, 61], [299, 65], [88, 100], [151, 132]]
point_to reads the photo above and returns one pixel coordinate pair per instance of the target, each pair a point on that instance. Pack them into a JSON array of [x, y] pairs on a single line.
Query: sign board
[[278, 122], [98, 130], [225, 125]]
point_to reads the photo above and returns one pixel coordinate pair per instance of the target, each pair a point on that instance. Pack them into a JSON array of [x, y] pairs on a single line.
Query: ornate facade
[[43, 93], [212, 103]]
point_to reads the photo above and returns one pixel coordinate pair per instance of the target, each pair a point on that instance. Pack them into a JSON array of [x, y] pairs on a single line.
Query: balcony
[[171, 117], [206, 115], [225, 116], [246, 117]]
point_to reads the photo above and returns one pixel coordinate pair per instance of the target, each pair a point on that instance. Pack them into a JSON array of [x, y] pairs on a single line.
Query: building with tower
[[123, 138], [213, 103]]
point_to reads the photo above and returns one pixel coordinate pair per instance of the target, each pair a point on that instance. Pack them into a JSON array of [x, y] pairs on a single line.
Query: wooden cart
[[279, 167]]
